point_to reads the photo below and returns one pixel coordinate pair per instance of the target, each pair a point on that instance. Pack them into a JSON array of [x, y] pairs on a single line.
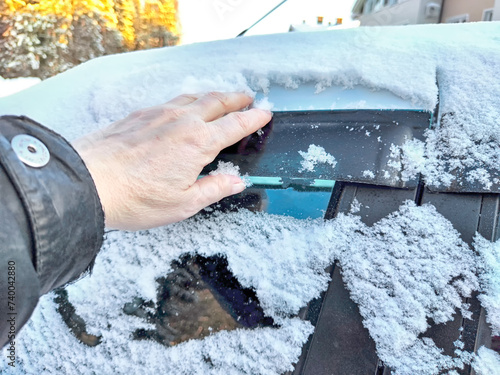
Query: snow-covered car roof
[[401, 271], [409, 62]]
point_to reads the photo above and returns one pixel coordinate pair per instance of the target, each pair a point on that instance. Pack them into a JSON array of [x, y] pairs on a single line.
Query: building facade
[[496, 11], [396, 12], [410, 12], [467, 11]]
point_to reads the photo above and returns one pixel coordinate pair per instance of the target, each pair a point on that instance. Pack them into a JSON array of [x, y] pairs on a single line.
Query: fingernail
[[237, 187]]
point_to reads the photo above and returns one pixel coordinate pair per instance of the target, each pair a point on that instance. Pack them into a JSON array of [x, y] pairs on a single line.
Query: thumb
[[211, 189]]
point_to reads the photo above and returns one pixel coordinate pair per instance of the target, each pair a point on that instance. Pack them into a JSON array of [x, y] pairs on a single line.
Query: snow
[[489, 263], [410, 159], [402, 272], [11, 86], [106, 89], [263, 103], [400, 282], [313, 156], [392, 269], [487, 362], [464, 59], [232, 170], [368, 174], [128, 265], [355, 206]]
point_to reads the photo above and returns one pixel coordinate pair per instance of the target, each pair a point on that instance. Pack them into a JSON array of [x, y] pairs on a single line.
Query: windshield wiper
[[267, 14]]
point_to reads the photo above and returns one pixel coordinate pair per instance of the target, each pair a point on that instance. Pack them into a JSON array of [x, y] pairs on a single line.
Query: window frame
[[461, 18], [488, 11]]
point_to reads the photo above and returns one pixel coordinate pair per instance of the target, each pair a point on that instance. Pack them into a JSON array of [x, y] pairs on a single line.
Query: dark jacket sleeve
[[51, 219]]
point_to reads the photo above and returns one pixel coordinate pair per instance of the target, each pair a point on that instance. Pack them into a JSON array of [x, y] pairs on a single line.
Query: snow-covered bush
[[32, 45], [35, 45], [91, 38]]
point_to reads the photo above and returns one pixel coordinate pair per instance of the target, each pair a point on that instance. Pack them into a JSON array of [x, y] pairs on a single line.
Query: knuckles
[[204, 140], [172, 114], [136, 114], [190, 97], [221, 98], [242, 120]]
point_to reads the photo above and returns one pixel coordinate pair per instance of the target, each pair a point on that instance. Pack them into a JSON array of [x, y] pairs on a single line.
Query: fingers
[[214, 105], [227, 126], [211, 189], [234, 126]]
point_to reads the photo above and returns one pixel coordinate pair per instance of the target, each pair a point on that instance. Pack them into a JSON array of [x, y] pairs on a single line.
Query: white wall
[[496, 11], [406, 12]]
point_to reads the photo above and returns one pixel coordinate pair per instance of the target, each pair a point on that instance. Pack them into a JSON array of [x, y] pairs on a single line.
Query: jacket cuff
[[59, 198]]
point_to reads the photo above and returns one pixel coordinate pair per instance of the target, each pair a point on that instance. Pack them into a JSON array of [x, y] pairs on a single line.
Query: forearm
[[51, 219]]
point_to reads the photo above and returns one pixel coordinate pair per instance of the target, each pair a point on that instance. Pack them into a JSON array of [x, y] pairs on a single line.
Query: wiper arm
[[267, 14]]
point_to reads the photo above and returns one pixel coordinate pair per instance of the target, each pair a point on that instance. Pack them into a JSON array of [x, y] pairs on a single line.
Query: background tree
[[29, 46], [44, 37], [158, 24]]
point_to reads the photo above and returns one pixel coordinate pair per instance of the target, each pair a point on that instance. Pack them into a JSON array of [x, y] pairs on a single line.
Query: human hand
[[145, 166]]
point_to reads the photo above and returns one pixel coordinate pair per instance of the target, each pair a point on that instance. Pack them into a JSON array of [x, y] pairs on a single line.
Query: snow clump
[[232, 170], [486, 362], [489, 278], [313, 156]]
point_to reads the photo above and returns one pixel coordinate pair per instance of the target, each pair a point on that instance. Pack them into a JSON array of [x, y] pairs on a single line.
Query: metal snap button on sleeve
[[30, 150]]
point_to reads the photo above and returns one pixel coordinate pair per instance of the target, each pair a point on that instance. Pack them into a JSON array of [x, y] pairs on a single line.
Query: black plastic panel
[[340, 344], [469, 214], [461, 184], [360, 141], [462, 210]]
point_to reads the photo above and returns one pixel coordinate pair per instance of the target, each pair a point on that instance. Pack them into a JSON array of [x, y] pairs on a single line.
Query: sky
[[204, 20]]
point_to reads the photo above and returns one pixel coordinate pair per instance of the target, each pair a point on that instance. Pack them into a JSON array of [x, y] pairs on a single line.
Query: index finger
[[214, 105], [233, 127]]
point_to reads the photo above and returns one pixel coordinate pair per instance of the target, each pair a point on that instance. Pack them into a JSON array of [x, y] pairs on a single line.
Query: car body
[[408, 115]]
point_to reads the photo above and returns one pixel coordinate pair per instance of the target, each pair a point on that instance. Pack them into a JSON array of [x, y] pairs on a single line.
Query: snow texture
[[232, 170], [489, 278], [128, 265], [402, 272], [410, 159], [313, 156], [486, 362], [400, 281], [355, 206], [263, 103], [368, 174]]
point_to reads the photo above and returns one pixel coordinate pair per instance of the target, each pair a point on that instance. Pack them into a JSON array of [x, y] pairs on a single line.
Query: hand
[[145, 167]]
